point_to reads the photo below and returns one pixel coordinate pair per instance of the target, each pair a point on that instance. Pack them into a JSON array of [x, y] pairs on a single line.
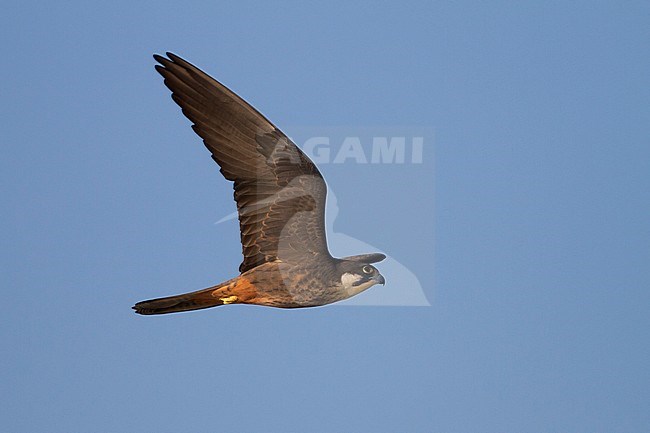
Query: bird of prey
[[280, 196]]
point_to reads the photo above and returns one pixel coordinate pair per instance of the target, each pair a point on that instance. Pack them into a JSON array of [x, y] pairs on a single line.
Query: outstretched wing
[[280, 193]]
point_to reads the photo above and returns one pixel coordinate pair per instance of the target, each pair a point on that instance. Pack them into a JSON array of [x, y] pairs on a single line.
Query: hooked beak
[[380, 279]]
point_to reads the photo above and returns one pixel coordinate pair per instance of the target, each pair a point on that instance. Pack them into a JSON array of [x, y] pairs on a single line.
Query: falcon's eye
[[367, 269]]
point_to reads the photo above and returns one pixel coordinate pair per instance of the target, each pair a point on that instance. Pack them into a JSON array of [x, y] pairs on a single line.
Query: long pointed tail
[[198, 300]]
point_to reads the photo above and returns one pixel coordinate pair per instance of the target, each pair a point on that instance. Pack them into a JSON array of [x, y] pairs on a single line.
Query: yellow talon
[[229, 299]]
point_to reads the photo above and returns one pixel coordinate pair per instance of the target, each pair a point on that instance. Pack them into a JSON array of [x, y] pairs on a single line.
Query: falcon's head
[[357, 274]]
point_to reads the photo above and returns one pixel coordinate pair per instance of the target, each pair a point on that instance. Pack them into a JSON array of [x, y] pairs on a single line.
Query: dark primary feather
[[366, 258], [280, 193]]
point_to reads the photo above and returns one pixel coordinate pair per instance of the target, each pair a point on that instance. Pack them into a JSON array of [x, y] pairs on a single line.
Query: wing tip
[[367, 258], [174, 58]]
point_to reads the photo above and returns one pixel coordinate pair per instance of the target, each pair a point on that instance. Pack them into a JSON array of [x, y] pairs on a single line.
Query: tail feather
[[186, 302]]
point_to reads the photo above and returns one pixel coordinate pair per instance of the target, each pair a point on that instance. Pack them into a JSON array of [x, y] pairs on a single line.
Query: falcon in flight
[[280, 197]]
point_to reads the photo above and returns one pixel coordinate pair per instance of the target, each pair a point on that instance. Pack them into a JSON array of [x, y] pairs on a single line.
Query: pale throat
[[347, 281]]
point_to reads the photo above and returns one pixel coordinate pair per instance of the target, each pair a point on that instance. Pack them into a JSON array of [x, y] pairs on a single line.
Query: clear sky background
[[526, 224]]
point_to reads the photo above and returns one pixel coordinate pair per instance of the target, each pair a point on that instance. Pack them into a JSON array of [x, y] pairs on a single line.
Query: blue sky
[[526, 223]]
